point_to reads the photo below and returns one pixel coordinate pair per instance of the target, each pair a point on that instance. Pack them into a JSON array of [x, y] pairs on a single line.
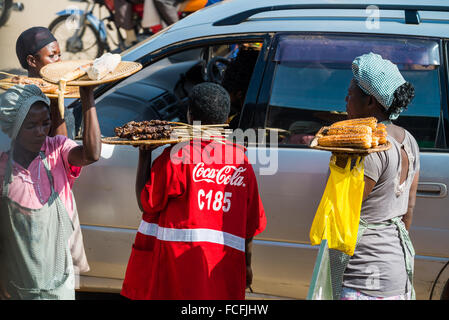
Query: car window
[[161, 90], [312, 75]]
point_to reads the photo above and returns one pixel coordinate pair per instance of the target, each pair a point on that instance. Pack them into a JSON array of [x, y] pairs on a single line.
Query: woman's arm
[[341, 161], [143, 173], [90, 151], [407, 218], [58, 125], [248, 254]]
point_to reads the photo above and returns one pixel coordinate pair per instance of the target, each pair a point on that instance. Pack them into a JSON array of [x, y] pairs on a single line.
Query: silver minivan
[[298, 83]]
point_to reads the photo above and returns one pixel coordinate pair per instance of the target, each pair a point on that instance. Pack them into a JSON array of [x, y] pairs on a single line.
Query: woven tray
[[70, 91], [320, 133], [53, 72], [117, 140]]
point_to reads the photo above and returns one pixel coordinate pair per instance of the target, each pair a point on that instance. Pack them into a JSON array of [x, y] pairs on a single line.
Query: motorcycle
[[82, 35], [6, 6]]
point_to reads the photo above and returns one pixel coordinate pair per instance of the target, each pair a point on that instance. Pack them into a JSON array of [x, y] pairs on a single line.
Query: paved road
[[36, 13]]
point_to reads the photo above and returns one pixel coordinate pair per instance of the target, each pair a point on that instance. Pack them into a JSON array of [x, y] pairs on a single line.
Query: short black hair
[[402, 98], [209, 103], [238, 74], [31, 41]]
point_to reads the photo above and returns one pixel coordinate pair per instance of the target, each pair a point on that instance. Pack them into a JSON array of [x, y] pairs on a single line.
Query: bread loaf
[[103, 65], [75, 74]]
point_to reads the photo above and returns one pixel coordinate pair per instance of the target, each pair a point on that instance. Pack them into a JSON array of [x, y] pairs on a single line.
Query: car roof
[[397, 17], [242, 8]]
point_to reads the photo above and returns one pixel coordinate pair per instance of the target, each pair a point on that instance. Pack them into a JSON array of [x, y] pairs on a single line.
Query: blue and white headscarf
[[378, 77]]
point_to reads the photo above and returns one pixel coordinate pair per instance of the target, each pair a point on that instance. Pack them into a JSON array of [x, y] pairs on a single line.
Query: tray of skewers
[[49, 89], [160, 132], [354, 136]]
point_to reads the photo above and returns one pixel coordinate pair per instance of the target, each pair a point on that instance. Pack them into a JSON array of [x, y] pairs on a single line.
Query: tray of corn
[[355, 136]]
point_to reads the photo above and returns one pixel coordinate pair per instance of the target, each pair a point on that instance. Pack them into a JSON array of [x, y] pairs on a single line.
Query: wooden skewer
[[62, 84], [203, 125], [8, 74]]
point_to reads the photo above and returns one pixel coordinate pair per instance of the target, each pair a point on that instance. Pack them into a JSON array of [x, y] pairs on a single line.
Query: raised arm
[[143, 173], [58, 125], [90, 151]]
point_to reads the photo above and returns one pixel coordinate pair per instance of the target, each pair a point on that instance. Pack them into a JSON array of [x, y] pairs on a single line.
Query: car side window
[[313, 73], [161, 90]]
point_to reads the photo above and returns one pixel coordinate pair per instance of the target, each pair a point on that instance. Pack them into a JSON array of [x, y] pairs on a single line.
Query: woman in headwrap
[[382, 264], [36, 177], [35, 48]]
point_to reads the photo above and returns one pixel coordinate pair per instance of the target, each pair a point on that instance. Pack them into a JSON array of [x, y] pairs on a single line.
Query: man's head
[[35, 48], [209, 103]]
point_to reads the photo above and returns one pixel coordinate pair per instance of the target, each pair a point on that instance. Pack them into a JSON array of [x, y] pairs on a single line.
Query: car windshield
[[313, 74]]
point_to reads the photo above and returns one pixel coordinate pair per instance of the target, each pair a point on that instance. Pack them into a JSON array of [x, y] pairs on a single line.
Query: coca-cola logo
[[227, 175]]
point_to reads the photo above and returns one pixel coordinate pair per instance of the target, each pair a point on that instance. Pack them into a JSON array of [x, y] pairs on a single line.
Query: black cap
[[31, 41]]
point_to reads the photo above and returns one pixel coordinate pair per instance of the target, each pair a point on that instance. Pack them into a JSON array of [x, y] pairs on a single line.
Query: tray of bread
[[354, 136], [160, 132], [107, 68], [49, 89]]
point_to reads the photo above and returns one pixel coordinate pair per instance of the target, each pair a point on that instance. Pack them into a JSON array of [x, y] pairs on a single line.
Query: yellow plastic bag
[[338, 215]]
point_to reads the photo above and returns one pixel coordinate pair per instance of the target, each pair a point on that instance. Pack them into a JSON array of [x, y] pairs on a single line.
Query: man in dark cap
[[35, 48]]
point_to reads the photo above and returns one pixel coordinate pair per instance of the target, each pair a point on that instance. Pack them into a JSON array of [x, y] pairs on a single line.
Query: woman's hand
[[90, 151], [341, 159], [249, 276]]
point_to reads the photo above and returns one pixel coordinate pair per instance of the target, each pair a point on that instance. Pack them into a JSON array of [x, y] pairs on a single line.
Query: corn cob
[[362, 129], [370, 121], [346, 140], [381, 133], [375, 141]]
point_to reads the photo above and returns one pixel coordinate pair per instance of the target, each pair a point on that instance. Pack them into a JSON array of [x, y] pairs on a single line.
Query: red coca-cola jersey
[[200, 204]]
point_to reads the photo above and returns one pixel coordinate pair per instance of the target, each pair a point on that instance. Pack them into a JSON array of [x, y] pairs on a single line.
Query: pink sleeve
[[66, 145]]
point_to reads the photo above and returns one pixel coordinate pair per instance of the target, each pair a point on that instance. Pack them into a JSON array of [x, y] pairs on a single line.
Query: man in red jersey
[[201, 210]]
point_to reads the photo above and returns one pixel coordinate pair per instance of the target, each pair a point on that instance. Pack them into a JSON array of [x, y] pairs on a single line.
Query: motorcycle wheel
[[5, 11], [89, 45]]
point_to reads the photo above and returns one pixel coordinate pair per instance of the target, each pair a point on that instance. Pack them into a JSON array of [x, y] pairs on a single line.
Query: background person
[[382, 264], [123, 16], [35, 48], [195, 238], [236, 79], [36, 178], [168, 10]]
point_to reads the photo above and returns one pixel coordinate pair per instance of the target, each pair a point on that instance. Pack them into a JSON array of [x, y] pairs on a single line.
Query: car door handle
[[431, 189]]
